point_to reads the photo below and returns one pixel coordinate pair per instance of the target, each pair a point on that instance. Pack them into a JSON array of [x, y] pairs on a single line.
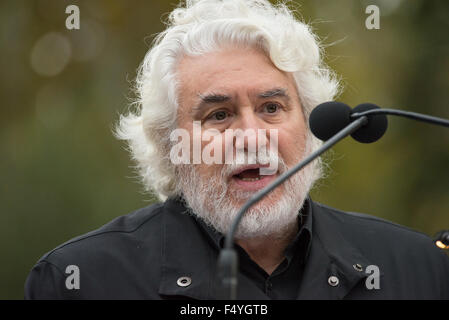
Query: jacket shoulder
[[110, 240], [102, 258], [366, 224], [386, 240]]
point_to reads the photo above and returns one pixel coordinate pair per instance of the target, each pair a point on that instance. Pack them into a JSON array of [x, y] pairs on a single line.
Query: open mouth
[[249, 178], [249, 175]]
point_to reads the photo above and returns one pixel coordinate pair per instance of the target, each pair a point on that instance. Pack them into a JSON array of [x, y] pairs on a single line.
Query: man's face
[[241, 89]]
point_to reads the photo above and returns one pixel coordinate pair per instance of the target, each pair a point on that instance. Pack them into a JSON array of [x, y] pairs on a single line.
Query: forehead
[[230, 71]]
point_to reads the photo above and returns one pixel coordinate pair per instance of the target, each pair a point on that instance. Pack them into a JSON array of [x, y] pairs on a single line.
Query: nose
[[250, 131]]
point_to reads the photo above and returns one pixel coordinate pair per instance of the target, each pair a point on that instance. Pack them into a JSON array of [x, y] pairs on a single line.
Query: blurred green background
[[63, 173]]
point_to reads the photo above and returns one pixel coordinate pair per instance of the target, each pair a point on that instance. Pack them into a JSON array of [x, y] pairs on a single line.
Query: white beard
[[210, 199]]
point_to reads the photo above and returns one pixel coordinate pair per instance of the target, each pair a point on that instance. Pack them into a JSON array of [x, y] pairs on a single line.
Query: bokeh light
[[50, 54]]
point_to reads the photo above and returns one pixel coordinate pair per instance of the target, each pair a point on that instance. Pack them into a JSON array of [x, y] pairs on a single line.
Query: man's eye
[[219, 115], [271, 107]]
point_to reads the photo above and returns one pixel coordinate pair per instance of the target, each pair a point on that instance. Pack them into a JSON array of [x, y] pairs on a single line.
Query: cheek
[[291, 145], [293, 136]]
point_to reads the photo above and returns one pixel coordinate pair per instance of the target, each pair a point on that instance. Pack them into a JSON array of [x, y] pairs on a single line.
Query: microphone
[[376, 127], [330, 117], [330, 122]]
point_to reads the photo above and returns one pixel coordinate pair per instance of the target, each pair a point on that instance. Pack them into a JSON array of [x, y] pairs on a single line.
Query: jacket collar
[[185, 253]]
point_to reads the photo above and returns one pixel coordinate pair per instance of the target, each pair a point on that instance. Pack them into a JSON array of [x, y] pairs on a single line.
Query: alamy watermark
[[373, 280], [238, 145], [373, 20], [73, 20], [72, 282]]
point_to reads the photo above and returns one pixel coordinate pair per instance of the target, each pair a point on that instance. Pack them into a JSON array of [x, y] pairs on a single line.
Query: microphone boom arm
[[412, 115]]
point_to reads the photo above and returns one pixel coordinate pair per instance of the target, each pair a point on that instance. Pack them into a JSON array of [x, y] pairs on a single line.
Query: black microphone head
[[329, 118], [374, 129]]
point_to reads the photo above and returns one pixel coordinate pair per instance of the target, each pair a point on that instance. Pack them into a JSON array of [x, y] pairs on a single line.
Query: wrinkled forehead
[[230, 72]]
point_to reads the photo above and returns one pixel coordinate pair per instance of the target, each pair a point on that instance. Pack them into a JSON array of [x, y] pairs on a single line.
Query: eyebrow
[[208, 99], [213, 98], [216, 98], [276, 92]]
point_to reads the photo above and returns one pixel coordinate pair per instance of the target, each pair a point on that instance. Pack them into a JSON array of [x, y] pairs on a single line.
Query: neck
[[268, 251]]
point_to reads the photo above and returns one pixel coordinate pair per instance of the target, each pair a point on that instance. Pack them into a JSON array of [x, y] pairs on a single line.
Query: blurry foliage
[[63, 173]]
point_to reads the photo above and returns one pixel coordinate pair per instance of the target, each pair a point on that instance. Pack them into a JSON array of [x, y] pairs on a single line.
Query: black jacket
[[143, 255]]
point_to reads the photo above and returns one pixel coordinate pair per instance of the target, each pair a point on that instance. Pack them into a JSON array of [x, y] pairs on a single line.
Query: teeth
[[250, 179]]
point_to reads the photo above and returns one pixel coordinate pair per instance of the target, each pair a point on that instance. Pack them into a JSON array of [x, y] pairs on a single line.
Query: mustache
[[253, 158], [222, 174]]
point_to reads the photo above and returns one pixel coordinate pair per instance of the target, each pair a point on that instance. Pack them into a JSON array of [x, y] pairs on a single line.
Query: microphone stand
[[228, 260]]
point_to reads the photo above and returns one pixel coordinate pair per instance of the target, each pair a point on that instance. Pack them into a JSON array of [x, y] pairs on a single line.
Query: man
[[249, 74]]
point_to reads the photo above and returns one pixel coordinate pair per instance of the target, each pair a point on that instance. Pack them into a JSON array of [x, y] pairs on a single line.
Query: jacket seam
[[52, 264], [102, 233]]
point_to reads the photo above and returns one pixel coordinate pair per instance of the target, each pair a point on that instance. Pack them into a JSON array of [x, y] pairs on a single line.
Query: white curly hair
[[201, 26]]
